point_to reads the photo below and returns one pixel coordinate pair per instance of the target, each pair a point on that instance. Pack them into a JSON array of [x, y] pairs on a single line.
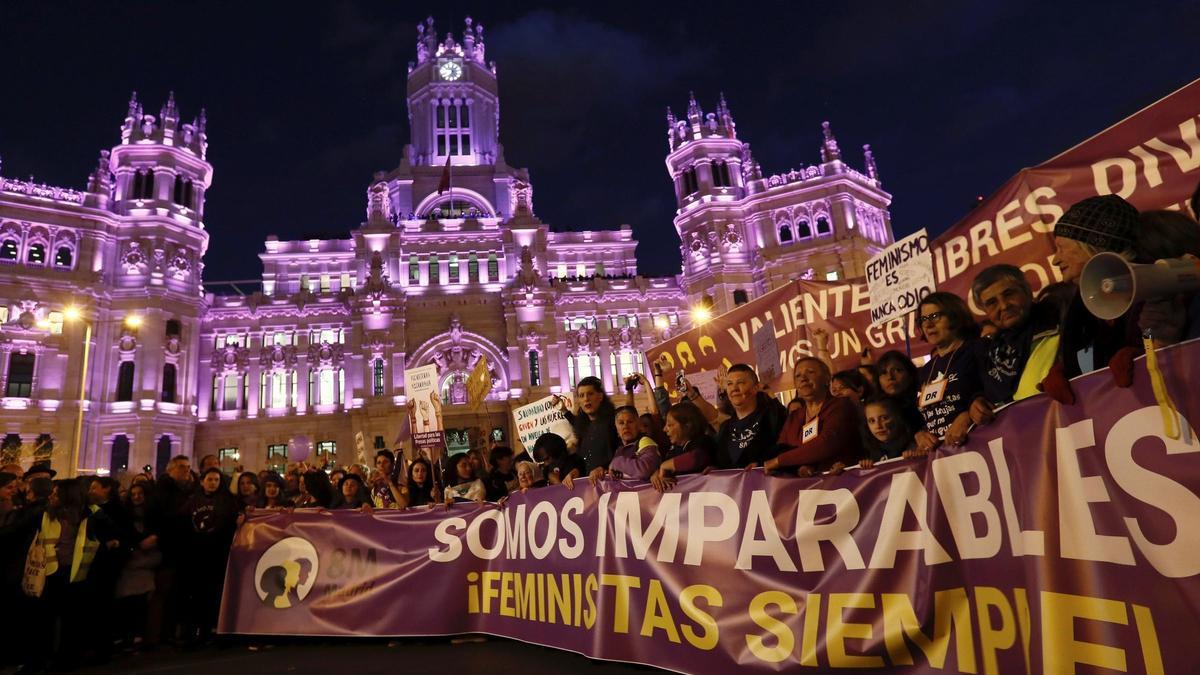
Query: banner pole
[[907, 346]]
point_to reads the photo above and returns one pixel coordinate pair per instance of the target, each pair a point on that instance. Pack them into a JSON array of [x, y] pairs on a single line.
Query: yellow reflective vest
[[1041, 358], [82, 554]]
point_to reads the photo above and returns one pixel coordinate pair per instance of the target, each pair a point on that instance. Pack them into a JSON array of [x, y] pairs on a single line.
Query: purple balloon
[[299, 447]]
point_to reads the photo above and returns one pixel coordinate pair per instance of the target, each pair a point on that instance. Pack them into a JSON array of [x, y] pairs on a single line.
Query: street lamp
[[702, 311], [74, 313]]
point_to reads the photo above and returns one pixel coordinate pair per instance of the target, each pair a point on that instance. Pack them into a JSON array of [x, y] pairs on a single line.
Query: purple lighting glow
[[452, 267]]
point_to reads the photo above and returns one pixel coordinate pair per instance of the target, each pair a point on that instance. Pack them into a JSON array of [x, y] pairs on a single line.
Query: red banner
[[1151, 158], [1058, 535]]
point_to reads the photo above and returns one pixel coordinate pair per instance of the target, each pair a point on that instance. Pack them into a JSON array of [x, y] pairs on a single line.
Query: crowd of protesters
[[147, 558]]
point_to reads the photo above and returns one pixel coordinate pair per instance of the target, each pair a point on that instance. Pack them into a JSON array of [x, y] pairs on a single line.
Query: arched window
[[414, 270], [454, 388], [580, 366], [148, 185], [20, 375], [143, 184], [8, 249], [535, 369], [435, 270], [63, 257], [822, 225], [125, 381], [119, 460], [378, 377], [183, 191], [740, 297], [452, 126], [803, 231], [229, 391], [452, 269], [473, 269], [690, 185], [36, 254], [278, 389], [174, 328], [720, 171], [493, 268], [329, 386], [625, 363], [168, 383], [785, 233], [43, 447], [162, 454]]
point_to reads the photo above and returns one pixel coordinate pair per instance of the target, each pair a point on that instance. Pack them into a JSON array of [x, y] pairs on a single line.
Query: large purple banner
[[1059, 535]]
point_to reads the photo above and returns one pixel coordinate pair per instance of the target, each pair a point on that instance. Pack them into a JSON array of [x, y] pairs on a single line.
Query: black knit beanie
[[1107, 222]]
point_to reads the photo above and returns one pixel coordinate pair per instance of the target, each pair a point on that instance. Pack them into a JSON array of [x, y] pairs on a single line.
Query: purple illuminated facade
[[431, 276]]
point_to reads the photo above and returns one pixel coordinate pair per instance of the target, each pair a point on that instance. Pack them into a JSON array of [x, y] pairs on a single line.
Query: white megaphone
[[1110, 285]]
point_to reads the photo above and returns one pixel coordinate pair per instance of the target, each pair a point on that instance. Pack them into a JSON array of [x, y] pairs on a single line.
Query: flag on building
[[479, 382], [444, 183]]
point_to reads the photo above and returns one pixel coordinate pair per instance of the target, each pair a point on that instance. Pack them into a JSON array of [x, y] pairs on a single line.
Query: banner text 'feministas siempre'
[[1056, 536]]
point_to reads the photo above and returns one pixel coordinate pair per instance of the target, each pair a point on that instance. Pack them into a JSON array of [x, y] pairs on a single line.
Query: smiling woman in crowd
[[952, 379], [461, 482], [822, 432]]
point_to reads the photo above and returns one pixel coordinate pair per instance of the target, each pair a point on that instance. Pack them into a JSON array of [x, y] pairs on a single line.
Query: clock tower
[[453, 101]]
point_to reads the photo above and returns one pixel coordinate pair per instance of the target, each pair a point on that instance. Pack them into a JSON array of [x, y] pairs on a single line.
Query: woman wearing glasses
[[951, 380]]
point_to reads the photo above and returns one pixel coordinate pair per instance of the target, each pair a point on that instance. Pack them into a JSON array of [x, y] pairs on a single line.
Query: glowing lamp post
[[73, 313], [703, 311]]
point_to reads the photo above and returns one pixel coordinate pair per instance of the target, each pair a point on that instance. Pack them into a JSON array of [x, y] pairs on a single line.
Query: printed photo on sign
[[425, 406]]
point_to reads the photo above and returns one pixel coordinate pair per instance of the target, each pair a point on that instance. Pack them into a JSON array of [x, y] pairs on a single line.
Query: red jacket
[[838, 437]]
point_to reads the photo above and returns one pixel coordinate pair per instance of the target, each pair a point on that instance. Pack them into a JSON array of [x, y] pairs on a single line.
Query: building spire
[[829, 149], [671, 122], [426, 40], [135, 109], [100, 180], [693, 113], [869, 160], [725, 117], [169, 109]]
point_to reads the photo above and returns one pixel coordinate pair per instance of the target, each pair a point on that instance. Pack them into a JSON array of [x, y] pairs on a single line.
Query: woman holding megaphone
[[1096, 241]]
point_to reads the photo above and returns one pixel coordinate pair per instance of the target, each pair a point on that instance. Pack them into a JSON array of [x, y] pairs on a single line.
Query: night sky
[[306, 100]]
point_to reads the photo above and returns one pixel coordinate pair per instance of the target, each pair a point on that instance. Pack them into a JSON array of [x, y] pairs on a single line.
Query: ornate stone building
[[451, 265]]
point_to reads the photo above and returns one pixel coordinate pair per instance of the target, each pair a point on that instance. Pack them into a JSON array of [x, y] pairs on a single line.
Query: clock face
[[450, 70]]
